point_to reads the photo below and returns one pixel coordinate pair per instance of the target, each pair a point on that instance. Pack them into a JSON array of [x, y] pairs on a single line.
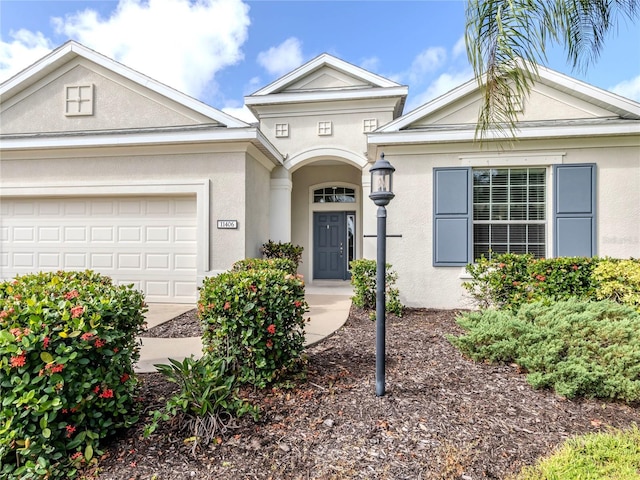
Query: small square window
[[282, 130], [369, 124], [78, 100], [324, 128]]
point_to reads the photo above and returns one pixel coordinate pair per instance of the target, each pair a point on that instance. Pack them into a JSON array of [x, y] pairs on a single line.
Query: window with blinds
[[509, 211]]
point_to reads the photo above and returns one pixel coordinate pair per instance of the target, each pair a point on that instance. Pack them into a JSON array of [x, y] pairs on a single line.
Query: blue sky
[[220, 50]]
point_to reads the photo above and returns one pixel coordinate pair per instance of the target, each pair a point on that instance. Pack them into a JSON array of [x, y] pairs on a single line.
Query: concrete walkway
[[329, 304]]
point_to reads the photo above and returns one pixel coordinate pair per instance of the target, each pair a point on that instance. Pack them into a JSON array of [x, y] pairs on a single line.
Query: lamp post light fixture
[[381, 194]]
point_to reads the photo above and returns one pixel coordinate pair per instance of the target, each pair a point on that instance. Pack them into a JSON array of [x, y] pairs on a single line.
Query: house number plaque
[[227, 224]]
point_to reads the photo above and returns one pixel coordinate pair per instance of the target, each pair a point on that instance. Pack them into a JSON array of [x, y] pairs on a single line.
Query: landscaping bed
[[443, 417]]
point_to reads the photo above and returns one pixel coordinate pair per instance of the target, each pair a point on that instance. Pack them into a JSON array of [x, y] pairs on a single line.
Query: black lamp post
[[381, 194]]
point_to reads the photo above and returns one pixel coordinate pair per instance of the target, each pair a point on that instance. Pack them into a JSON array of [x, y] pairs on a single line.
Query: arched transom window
[[334, 195]]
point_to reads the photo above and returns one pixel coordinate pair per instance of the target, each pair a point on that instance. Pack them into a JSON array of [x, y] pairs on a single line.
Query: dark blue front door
[[330, 245]]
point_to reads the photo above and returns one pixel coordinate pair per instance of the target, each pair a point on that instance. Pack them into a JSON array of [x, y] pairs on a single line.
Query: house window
[[282, 130], [324, 128], [334, 195], [78, 100], [509, 211], [482, 210], [369, 124]]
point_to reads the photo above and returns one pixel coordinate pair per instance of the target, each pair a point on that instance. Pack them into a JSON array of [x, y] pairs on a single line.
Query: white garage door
[[147, 241]]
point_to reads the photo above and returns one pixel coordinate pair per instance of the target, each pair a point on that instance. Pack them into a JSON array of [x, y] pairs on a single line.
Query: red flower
[[108, 393], [76, 456], [19, 361], [297, 303], [501, 265], [116, 349], [575, 267], [269, 343], [271, 329], [124, 377], [541, 278], [77, 311], [97, 389], [99, 343], [87, 336], [227, 305], [45, 342], [71, 294], [56, 368], [70, 430]]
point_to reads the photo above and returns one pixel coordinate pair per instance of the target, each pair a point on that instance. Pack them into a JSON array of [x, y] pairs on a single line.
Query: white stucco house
[[104, 168]]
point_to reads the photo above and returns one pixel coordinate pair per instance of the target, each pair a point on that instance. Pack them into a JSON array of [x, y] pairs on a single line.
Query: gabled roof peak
[[72, 49], [325, 60]]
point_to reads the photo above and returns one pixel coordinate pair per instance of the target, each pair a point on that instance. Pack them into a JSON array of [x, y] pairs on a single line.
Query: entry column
[[280, 205]]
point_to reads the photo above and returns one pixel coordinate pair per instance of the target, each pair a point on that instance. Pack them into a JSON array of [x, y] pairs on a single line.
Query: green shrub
[[618, 280], [254, 320], [287, 250], [510, 280], [612, 455], [363, 279], [67, 350], [577, 348], [284, 264], [207, 401]]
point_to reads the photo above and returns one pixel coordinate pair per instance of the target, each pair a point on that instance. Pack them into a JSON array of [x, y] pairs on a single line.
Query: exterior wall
[[301, 215], [410, 213], [257, 211], [347, 125], [223, 171], [118, 104]]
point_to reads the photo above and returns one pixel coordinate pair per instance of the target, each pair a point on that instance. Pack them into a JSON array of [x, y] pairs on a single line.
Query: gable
[[118, 103], [543, 104], [555, 100], [327, 78]]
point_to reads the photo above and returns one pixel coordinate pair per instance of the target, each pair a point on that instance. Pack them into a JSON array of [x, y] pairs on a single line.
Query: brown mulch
[[185, 325], [443, 416]]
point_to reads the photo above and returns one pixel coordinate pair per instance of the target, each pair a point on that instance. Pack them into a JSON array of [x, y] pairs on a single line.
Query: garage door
[[147, 241]]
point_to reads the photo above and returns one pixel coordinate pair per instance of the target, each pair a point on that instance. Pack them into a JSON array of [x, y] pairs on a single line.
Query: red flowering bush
[[67, 350], [511, 280], [254, 319]]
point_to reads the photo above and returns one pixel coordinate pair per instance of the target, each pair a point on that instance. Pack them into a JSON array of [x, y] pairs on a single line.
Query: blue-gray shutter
[[574, 214], [452, 223]]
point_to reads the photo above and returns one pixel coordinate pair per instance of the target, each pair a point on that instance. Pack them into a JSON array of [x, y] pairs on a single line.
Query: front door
[[331, 245]]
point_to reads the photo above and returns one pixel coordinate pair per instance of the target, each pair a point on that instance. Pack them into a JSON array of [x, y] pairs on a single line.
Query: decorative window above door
[[334, 195]]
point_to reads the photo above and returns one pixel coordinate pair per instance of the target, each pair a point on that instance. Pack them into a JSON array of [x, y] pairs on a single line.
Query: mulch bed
[[443, 416]]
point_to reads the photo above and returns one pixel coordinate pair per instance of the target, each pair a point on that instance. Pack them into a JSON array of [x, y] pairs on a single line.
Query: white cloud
[[242, 113], [440, 86], [460, 48], [370, 64], [426, 62], [282, 59], [26, 48], [177, 42], [628, 88]]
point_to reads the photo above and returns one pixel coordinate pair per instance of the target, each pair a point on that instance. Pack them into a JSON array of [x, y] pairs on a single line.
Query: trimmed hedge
[[254, 320], [363, 279], [284, 264], [67, 350], [510, 280]]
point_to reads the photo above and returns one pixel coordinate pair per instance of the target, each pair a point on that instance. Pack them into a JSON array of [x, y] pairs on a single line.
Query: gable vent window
[[78, 100], [282, 130], [369, 124], [334, 195], [324, 128]]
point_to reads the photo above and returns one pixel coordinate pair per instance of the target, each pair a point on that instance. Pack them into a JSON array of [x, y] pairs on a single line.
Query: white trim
[[201, 189], [511, 159], [309, 156], [326, 95], [431, 135]]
